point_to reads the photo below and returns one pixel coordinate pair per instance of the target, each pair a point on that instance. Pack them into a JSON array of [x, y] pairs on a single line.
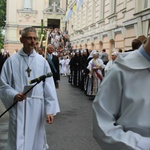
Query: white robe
[[99, 63], [65, 66], [108, 65], [122, 105], [27, 118], [60, 66], [93, 82]]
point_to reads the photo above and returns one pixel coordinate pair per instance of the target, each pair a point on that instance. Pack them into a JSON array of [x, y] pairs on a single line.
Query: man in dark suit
[[54, 64]]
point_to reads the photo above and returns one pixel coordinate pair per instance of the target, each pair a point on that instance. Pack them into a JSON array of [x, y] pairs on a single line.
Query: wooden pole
[[40, 42], [47, 35], [42, 35]]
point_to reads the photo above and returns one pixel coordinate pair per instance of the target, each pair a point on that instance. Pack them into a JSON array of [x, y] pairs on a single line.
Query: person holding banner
[[27, 118]]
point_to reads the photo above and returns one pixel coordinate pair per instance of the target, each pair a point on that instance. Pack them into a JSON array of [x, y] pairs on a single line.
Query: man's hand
[[50, 118], [19, 97]]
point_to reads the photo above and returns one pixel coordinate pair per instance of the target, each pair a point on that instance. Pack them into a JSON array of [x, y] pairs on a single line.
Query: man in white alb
[[27, 118]]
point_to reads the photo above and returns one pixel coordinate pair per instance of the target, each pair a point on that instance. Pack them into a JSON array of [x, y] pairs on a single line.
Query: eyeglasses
[[30, 38]]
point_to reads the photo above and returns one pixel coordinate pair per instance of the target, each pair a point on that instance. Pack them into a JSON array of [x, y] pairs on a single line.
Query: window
[[142, 5], [145, 4], [101, 4], [93, 11], [87, 12], [124, 3], [112, 6]]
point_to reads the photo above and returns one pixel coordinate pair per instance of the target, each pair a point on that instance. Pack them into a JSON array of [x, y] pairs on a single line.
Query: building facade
[[40, 14], [109, 24]]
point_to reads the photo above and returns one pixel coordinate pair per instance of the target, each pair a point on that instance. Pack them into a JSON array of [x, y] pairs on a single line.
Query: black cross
[[28, 70]]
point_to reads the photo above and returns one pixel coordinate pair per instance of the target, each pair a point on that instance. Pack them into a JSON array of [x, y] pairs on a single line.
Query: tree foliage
[[2, 20], [2, 12]]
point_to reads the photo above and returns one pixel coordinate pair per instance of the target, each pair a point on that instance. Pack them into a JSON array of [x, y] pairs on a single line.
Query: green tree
[[2, 20]]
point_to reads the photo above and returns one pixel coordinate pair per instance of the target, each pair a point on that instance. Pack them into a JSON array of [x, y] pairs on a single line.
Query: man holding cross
[[27, 117]]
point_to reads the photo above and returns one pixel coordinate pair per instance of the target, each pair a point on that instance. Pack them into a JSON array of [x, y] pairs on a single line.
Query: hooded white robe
[[27, 118], [122, 105]]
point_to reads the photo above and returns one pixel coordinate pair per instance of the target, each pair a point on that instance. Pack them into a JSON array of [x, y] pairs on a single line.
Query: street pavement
[[72, 127], [3, 130]]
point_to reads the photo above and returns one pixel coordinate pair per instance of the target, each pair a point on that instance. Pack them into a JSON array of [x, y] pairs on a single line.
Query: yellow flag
[[74, 7]]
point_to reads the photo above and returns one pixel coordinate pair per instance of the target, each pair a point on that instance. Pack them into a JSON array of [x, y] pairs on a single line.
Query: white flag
[[79, 4]]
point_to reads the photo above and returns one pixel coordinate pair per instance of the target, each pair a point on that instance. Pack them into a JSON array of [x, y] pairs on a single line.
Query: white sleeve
[[90, 65], [107, 67], [100, 63], [7, 92], [143, 144], [105, 112], [50, 95]]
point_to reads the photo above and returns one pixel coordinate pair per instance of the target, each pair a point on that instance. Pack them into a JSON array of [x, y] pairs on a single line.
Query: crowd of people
[[3, 56], [86, 69], [120, 119], [59, 39]]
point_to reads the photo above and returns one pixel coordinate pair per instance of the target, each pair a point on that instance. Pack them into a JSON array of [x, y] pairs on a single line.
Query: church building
[[91, 24], [107, 24], [40, 14]]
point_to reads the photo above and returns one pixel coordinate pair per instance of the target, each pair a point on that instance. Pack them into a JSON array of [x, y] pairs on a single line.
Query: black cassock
[[76, 70], [55, 69]]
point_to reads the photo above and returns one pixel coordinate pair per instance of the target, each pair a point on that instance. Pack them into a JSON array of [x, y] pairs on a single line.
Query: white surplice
[[27, 118], [122, 105]]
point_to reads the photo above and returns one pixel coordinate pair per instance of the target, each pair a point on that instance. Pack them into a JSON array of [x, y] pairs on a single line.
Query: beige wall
[[99, 24]]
